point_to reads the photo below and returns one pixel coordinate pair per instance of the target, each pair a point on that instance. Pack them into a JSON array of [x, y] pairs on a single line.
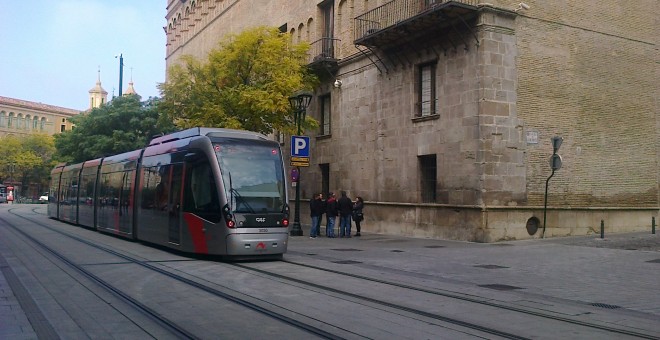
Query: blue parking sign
[[299, 146]]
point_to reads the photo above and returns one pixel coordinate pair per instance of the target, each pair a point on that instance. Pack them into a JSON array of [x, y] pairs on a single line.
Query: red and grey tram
[[201, 190]]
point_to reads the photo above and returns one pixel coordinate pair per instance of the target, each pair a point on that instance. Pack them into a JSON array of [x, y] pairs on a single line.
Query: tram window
[[201, 197], [150, 179], [163, 187]]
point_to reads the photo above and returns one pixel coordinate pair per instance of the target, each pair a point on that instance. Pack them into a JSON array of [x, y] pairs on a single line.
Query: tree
[[122, 125], [245, 84], [27, 159]]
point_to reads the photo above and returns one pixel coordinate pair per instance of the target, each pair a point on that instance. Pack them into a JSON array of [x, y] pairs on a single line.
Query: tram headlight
[[229, 219]]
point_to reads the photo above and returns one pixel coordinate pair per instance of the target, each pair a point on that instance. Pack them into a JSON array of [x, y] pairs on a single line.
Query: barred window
[[426, 90], [325, 115], [428, 177]]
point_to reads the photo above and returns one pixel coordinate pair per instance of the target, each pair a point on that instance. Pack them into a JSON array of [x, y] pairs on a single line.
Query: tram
[[202, 190]]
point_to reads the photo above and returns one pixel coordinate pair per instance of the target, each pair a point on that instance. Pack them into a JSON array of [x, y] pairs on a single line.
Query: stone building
[[441, 113], [21, 117]]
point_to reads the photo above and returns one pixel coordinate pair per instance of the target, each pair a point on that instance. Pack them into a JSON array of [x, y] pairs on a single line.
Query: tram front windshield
[[252, 174]]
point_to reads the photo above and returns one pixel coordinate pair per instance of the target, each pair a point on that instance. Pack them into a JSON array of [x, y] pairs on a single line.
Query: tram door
[[174, 204]]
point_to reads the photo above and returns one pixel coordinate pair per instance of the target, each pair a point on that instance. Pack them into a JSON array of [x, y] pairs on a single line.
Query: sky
[[51, 50]]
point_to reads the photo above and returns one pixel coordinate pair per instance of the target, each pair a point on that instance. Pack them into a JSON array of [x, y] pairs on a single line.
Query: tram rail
[[390, 305]]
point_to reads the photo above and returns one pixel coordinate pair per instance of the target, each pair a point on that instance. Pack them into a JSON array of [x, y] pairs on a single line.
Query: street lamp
[[299, 103], [121, 71]]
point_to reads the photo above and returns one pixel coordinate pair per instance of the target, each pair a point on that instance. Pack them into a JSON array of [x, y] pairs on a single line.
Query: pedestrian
[[345, 212], [331, 211], [316, 212], [358, 216]]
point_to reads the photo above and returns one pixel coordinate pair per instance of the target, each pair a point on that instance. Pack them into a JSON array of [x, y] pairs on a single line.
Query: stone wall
[[582, 71]]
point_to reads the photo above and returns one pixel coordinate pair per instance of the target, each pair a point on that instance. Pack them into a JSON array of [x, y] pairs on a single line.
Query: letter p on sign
[[299, 146]]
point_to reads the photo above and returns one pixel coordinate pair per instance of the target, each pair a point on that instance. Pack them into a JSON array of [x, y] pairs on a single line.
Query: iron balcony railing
[[324, 49], [396, 11]]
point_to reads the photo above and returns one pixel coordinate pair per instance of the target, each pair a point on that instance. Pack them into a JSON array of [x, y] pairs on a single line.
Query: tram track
[[172, 327], [422, 314], [321, 333], [456, 297], [474, 300], [175, 329]]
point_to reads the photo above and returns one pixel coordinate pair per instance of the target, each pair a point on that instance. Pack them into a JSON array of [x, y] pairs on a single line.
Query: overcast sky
[[52, 49]]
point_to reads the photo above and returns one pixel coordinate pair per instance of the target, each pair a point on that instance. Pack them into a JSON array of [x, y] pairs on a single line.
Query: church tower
[[130, 90], [97, 95]]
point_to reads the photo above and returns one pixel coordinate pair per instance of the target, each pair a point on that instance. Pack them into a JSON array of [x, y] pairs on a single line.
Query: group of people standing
[[343, 208]]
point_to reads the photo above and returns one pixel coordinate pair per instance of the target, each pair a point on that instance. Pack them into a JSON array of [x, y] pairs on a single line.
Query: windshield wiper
[[233, 192], [241, 199]]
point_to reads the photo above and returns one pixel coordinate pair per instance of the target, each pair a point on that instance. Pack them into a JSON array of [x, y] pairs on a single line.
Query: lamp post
[[121, 71], [299, 103]]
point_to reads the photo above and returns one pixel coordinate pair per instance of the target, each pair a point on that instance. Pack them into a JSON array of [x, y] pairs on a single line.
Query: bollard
[[602, 229], [653, 225]]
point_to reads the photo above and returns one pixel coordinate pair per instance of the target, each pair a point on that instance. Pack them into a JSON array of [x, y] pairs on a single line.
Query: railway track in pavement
[[443, 312]]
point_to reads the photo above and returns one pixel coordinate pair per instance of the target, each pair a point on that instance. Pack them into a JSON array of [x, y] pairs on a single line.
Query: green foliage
[[122, 125], [26, 159], [245, 84]]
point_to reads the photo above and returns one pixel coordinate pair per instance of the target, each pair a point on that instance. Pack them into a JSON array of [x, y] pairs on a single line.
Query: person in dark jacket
[[345, 212], [316, 209], [358, 216], [331, 210]]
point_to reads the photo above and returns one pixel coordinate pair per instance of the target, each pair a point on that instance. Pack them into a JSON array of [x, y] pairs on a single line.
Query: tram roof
[[203, 131]]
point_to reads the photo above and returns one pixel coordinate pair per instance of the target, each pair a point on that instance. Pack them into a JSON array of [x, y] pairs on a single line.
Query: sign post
[[555, 164]]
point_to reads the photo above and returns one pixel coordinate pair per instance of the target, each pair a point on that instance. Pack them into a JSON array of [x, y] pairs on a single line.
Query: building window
[[325, 115], [325, 178], [328, 14], [426, 100], [62, 128], [428, 178]]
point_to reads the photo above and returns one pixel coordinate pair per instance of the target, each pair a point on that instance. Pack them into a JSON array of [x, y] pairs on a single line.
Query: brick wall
[[587, 73]]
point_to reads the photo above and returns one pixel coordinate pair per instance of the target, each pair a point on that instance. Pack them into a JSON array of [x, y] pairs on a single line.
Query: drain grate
[[604, 305], [396, 251], [346, 249], [346, 262], [500, 287], [311, 254], [433, 247], [490, 266], [654, 261]]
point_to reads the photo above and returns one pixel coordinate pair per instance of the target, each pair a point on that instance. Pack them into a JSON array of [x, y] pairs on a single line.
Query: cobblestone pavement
[[628, 241]]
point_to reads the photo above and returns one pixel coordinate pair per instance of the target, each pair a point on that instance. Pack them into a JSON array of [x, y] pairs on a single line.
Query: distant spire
[[97, 95], [130, 90]]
